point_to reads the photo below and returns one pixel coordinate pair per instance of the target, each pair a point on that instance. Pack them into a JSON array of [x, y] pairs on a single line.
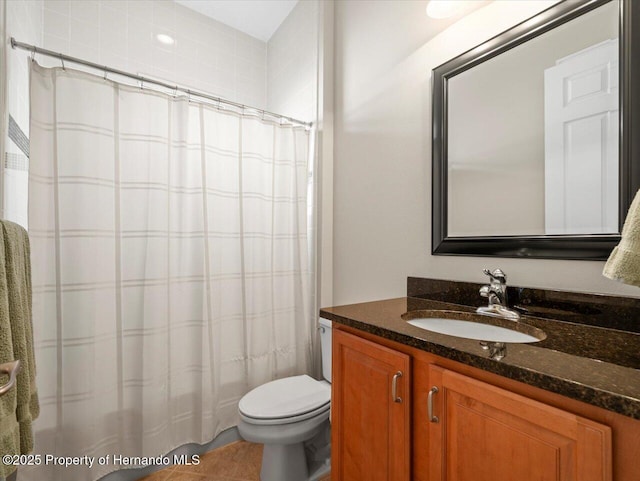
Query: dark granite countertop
[[593, 364]]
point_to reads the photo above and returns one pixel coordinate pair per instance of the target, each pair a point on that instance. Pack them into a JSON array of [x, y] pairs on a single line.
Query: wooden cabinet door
[[370, 422], [485, 433]]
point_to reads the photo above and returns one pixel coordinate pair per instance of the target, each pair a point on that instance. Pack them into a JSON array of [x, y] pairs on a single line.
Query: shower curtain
[[171, 267]]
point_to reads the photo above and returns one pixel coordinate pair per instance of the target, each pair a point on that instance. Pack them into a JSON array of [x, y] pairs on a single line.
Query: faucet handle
[[496, 275]]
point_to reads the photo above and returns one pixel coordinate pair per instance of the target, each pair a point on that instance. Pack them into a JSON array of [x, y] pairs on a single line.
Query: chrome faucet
[[496, 292]]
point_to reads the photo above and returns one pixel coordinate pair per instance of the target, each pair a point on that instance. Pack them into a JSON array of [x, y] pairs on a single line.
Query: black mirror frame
[[580, 247]]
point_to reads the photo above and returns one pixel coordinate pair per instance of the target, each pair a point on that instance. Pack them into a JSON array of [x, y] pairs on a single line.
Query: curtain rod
[[140, 78]]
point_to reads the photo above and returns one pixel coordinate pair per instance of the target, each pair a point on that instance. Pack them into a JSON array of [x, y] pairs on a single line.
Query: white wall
[[207, 54], [292, 63], [382, 183]]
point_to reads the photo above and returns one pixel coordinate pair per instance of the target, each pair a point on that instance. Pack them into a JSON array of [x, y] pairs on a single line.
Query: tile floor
[[239, 461]]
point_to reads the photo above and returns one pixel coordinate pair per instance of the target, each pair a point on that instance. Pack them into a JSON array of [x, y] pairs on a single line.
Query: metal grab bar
[[11, 369]]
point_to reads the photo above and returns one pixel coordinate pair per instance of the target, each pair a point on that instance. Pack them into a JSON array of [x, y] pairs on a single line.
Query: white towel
[[624, 262]]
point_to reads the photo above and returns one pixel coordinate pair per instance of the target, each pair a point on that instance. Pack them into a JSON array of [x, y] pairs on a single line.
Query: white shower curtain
[[171, 267]]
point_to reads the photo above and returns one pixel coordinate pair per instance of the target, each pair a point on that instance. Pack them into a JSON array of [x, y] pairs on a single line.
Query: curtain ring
[[105, 72], [188, 95], [62, 61], [33, 54], [175, 91]]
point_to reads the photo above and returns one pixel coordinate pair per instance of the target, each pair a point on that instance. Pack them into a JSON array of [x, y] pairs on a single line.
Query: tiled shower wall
[[207, 55], [24, 21]]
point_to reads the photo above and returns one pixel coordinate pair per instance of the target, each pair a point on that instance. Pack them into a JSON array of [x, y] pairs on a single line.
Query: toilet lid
[[285, 398]]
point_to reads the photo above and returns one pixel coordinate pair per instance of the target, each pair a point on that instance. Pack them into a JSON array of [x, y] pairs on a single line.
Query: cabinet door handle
[[432, 418], [394, 387]]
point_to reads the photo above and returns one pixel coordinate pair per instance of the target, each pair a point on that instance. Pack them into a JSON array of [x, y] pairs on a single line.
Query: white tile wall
[[292, 61], [25, 22], [207, 55]]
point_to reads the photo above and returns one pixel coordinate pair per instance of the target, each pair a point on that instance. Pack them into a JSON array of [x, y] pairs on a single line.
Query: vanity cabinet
[[370, 411], [480, 432], [489, 427]]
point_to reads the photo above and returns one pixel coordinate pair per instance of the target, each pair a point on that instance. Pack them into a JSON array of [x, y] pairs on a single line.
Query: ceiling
[[258, 18]]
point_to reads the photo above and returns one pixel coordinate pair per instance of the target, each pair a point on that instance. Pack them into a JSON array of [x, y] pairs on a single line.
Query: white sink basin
[[473, 326], [471, 330]]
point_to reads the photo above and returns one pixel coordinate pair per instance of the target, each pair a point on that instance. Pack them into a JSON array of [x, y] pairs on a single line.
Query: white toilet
[[290, 417]]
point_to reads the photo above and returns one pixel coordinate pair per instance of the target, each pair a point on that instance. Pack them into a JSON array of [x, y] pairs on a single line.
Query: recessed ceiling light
[[164, 38], [444, 8]]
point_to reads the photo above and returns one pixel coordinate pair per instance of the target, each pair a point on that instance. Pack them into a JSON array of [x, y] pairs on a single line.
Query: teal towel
[[19, 407]]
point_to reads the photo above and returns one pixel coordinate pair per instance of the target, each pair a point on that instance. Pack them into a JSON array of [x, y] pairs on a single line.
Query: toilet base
[[304, 461], [291, 452], [284, 462], [318, 453]]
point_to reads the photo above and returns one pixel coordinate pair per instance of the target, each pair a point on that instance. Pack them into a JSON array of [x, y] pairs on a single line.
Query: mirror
[[532, 155]]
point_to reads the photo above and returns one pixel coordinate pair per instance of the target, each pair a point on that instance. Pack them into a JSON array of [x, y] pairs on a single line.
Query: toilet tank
[[325, 344]]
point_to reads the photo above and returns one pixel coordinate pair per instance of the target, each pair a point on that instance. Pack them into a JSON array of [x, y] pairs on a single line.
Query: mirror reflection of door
[[581, 142], [532, 135]]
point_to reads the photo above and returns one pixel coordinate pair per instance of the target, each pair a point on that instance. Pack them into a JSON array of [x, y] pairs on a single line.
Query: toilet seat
[[287, 420], [285, 401]]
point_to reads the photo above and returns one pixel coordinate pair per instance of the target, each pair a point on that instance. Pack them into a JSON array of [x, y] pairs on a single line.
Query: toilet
[[290, 416]]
